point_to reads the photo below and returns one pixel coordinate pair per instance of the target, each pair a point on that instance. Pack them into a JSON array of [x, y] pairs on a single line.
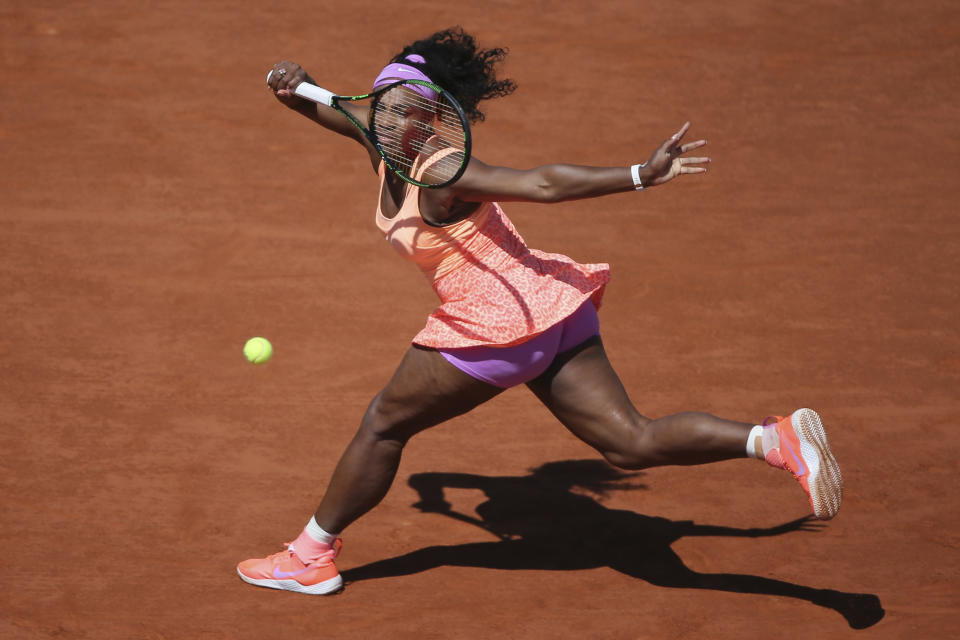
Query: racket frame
[[320, 95]]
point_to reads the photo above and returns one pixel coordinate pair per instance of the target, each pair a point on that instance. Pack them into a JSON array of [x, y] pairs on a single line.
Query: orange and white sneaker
[[805, 453], [284, 570]]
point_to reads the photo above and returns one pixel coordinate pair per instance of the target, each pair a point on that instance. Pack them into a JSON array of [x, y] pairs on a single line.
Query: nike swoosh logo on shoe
[[798, 460], [288, 574]]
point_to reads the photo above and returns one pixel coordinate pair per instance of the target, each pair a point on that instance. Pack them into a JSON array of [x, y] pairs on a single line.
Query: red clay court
[[160, 208]]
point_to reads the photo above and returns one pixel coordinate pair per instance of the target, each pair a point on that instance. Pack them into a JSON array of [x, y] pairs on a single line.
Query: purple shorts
[[506, 367]]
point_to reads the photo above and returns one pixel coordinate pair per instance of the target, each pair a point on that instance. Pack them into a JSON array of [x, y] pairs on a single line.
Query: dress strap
[[432, 159]]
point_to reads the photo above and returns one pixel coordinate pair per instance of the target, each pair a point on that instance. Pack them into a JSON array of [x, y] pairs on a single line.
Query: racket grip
[[311, 92], [314, 93]]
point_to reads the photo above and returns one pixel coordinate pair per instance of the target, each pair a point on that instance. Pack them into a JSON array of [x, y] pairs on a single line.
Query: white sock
[[753, 440], [316, 532]]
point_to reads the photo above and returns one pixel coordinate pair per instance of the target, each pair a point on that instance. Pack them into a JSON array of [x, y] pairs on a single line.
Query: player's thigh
[[584, 392], [425, 390]]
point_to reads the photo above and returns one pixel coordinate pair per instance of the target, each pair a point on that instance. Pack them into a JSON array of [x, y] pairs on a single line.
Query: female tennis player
[[508, 315]]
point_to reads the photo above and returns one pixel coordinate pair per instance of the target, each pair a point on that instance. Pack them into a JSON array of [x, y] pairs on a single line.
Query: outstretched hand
[[667, 162]]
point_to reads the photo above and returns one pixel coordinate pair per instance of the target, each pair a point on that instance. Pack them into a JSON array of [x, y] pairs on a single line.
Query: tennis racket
[[410, 120]]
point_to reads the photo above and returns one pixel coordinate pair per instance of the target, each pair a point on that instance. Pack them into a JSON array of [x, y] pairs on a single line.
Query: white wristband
[[635, 173]]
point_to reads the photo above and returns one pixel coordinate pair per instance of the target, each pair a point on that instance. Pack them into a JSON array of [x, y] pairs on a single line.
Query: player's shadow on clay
[[543, 524]]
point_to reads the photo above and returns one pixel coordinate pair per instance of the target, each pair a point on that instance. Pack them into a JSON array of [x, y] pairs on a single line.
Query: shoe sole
[[332, 585], [824, 480]]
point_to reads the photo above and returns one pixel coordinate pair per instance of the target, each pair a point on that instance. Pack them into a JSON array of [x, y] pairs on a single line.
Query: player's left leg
[[584, 392]]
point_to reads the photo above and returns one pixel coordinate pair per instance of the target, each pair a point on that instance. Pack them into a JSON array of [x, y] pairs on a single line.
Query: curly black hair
[[454, 62]]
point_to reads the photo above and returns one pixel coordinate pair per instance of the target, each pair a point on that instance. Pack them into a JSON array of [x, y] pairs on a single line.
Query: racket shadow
[[542, 524]]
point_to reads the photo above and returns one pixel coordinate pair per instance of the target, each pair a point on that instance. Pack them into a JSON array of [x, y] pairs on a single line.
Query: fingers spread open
[[690, 146]]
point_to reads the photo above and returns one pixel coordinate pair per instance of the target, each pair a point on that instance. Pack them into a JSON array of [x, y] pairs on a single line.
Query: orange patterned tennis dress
[[493, 289]]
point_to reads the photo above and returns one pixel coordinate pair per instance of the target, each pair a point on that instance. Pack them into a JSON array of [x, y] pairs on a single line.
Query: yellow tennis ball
[[258, 350]]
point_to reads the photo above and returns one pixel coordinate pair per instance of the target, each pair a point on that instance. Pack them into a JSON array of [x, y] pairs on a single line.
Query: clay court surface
[[159, 207]]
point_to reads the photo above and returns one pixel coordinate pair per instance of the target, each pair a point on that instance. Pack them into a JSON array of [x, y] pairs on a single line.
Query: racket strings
[[445, 124]]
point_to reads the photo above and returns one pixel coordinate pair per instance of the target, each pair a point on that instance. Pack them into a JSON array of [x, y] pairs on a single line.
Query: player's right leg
[[424, 391]]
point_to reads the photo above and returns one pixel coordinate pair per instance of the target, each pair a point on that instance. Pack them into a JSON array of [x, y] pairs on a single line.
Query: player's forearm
[[325, 116], [561, 182]]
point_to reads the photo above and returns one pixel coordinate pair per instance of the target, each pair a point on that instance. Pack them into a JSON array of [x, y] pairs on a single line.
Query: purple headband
[[399, 71]]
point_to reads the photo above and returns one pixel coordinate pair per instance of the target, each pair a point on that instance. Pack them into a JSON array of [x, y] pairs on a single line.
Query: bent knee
[[381, 423], [634, 450], [628, 460], [652, 443]]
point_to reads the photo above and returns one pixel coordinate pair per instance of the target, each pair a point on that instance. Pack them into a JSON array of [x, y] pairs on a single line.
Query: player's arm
[[283, 84], [549, 183], [560, 182]]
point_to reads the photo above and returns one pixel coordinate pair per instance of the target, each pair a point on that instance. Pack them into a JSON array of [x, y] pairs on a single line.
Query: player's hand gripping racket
[[410, 120]]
